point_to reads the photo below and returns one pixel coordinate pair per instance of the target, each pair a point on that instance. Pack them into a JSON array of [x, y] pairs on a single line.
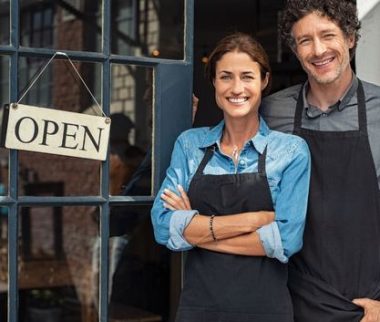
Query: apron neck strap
[[261, 165], [206, 158], [210, 151], [362, 113]]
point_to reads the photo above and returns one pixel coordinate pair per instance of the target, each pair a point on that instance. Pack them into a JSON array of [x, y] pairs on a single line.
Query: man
[[336, 276]]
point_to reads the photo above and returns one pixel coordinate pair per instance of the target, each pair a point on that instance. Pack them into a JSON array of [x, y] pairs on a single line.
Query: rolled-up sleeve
[[169, 225], [284, 237], [271, 240], [291, 203]]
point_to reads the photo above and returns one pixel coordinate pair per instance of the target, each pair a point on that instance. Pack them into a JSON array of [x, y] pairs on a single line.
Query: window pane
[[144, 276], [4, 99], [4, 22], [4, 81], [56, 271], [131, 130], [3, 172], [3, 263], [68, 25], [150, 28], [59, 88]]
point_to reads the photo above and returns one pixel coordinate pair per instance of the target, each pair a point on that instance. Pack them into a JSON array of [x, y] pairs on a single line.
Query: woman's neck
[[237, 132]]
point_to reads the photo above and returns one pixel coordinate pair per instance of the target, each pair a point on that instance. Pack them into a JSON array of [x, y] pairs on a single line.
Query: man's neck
[[325, 95]]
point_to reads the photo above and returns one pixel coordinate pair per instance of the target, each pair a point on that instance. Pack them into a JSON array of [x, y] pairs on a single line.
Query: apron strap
[[299, 110], [206, 158], [261, 163], [362, 113]]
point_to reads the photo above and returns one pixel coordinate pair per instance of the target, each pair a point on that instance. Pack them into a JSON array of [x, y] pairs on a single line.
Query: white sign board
[[53, 131]]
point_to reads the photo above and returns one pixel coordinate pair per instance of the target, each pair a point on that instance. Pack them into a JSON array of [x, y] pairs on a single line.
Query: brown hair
[[341, 12], [243, 43]]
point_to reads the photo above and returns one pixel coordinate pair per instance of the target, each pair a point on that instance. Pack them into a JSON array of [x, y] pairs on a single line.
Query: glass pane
[[4, 22], [150, 28], [4, 99], [3, 172], [68, 25], [144, 276], [57, 278], [4, 81], [3, 263], [131, 130], [59, 88]]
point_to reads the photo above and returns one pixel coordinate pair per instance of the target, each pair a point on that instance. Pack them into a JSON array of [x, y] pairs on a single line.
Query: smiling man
[[336, 276]]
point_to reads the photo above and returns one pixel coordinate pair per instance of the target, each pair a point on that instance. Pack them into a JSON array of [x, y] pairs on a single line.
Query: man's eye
[[304, 41]]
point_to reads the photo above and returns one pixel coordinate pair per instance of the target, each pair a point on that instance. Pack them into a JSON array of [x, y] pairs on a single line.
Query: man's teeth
[[324, 62]]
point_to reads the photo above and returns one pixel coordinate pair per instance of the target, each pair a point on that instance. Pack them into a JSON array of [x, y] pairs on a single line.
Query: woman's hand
[[174, 201]]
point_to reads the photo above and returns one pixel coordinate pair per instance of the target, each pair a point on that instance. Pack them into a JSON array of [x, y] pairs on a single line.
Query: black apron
[[340, 258], [231, 288]]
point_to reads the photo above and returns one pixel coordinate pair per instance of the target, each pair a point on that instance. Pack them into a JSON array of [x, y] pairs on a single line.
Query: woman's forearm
[[199, 231], [247, 245]]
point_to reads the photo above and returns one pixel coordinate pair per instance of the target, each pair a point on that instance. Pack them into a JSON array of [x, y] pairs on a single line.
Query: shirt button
[[242, 162], [324, 114]]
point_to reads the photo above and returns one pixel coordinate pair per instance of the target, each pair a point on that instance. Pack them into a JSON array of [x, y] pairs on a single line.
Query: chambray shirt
[[288, 172]]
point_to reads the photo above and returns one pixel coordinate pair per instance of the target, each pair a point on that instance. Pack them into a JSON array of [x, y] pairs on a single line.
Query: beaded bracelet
[[212, 228]]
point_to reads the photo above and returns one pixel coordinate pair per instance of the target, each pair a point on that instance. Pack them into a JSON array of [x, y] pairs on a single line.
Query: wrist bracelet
[[212, 228]]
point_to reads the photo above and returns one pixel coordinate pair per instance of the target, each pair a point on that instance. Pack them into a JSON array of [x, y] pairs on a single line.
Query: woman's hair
[[341, 12], [243, 43]]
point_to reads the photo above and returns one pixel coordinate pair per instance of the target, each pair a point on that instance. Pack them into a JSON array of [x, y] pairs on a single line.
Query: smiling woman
[[221, 191]]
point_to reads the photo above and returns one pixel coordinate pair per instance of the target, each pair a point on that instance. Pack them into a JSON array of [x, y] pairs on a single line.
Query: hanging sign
[[48, 130]]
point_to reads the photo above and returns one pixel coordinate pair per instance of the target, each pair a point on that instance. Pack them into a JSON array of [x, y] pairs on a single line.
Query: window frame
[[172, 101]]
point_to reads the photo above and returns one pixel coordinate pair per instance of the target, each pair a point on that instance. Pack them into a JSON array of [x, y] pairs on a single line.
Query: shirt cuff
[[271, 240], [178, 222]]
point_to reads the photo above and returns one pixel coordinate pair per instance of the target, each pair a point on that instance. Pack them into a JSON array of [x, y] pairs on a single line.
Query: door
[[76, 243]]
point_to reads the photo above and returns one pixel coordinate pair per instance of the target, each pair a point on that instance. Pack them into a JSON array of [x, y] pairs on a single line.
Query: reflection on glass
[[68, 25], [131, 130], [4, 83], [3, 172], [59, 88], [4, 22], [58, 271], [144, 278], [3, 263], [150, 28], [66, 176]]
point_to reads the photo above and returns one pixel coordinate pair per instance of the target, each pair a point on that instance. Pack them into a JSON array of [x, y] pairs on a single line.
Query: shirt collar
[[259, 141], [314, 112]]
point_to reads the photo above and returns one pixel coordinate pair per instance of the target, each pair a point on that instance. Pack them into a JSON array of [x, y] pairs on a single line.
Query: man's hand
[[371, 309], [195, 106]]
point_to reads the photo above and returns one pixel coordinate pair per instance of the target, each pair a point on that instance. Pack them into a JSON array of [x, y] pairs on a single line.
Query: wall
[[368, 51]]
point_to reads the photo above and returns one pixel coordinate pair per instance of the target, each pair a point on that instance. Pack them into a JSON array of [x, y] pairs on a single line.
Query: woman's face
[[238, 85]]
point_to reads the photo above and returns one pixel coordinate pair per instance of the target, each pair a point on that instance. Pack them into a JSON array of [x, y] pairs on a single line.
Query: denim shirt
[[288, 172]]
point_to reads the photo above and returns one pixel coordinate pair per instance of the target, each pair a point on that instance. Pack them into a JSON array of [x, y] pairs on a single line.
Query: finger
[[177, 204], [184, 196], [361, 302], [169, 207], [173, 199]]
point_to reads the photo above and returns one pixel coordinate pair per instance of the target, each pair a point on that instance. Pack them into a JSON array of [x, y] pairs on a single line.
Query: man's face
[[322, 49]]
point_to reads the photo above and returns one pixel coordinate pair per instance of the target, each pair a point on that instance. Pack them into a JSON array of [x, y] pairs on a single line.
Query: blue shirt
[[288, 172]]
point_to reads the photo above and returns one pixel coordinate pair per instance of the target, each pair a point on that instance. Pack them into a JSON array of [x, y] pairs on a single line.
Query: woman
[[221, 189]]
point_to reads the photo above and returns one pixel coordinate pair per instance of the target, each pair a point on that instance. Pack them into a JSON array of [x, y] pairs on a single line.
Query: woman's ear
[[265, 81]]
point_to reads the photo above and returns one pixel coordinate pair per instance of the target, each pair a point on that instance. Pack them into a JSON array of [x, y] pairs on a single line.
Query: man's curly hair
[[342, 12]]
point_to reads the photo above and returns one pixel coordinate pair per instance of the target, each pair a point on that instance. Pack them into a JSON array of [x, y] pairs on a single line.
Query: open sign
[[52, 131]]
